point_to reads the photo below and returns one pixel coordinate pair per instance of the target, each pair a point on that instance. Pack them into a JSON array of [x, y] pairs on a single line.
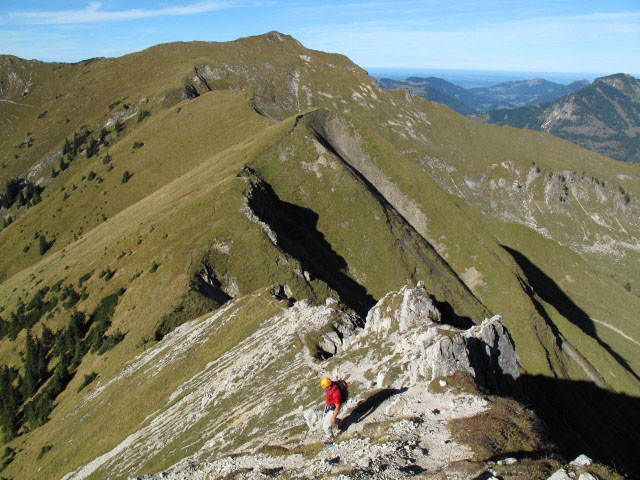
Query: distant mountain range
[[603, 116], [524, 92], [467, 101]]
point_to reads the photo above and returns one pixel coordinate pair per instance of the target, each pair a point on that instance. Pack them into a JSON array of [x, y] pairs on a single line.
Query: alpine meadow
[[195, 234]]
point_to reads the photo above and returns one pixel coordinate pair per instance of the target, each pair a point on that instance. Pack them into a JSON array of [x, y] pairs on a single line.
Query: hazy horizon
[[472, 77]]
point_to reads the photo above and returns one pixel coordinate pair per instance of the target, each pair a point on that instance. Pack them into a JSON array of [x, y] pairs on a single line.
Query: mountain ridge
[[315, 134]]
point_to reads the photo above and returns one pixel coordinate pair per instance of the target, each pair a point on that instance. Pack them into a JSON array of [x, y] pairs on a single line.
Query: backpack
[[344, 393]]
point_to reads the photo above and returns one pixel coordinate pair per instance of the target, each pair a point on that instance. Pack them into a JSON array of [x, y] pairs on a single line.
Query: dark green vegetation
[[603, 117], [280, 169], [50, 361], [20, 192], [87, 380]]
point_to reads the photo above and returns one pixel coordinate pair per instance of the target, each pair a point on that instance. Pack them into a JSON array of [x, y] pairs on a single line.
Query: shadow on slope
[[551, 293], [297, 234], [368, 406], [583, 418]]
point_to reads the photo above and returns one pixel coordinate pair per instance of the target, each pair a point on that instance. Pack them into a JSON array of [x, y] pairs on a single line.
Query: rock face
[[409, 321]]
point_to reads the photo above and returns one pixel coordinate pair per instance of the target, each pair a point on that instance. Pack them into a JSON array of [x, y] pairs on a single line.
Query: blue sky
[[540, 35]]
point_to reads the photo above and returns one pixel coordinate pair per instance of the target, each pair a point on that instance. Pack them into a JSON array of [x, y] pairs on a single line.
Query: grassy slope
[[480, 147], [218, 121], [182, 211], [472, 148], [194, 201]]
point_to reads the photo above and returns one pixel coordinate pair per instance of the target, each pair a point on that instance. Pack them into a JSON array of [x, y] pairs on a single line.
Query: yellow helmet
[[325, 382]]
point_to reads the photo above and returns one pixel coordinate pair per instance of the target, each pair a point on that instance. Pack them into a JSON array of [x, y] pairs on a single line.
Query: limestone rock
[[400, 310], [448, 355], [560, 475], [587, 476], [582, 461], [411, 325], [493, 355]]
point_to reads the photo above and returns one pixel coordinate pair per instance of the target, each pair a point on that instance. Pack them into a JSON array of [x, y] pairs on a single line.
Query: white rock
[[507, 461], [582, 461], [587, 476], [560, 475], [443, 383]]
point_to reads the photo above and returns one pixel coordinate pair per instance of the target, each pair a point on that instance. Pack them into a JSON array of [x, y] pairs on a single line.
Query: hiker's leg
[[327, 426]]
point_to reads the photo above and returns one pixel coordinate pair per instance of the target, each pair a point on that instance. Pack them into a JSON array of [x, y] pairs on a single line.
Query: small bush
[[111, 341], [44, 450], [43, 114], [154, 267], [91, 175], [126, 176], [7, 457], [142, 115], [137, 145], [103, 136], [84, 278], [44, 245], [87, 380], [92, 148]]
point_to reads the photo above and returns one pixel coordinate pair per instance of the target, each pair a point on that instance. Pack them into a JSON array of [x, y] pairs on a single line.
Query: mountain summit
[[195, 234]]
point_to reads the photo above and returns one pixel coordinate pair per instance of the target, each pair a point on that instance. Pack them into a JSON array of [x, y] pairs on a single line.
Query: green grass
[[184, 205], [506, 428]]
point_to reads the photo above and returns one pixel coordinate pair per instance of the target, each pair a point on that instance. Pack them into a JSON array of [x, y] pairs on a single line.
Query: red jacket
[[334, 396]]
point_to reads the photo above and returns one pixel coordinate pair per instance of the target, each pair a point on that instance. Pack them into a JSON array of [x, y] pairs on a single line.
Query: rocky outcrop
[[411, 326], [255, 409], [577, 467]]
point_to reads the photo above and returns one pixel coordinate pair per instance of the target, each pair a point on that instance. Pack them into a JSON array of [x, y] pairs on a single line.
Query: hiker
[[336, 394]]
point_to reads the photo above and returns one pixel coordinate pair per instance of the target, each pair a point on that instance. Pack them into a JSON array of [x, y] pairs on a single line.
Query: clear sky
[[527, 35]]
